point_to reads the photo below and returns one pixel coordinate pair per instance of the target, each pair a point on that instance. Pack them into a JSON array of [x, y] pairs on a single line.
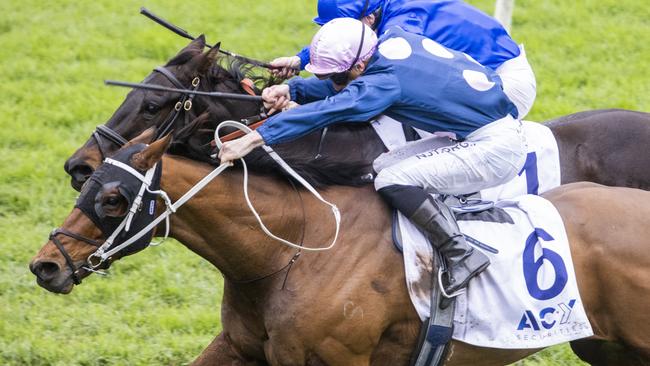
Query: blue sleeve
[[307, 90], [363, 99], [304, 57]]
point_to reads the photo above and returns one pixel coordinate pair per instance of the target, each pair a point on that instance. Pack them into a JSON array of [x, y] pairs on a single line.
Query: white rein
[[103, 253]]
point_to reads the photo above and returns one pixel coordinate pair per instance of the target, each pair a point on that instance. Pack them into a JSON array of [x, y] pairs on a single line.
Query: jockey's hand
[[290, 105], [235, 149], [276, 97], [290, 66]]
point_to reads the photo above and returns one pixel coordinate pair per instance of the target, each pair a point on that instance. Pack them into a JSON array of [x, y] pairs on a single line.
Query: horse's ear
[[191, 50], [197, 45], [146, 159], [209, 59], [144, 138]]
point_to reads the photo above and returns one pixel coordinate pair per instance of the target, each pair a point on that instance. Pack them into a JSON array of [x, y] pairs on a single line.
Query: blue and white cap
[[332, 9]]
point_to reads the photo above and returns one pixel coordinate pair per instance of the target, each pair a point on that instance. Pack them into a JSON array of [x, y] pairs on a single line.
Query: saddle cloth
[[528, 296], [540, 173]]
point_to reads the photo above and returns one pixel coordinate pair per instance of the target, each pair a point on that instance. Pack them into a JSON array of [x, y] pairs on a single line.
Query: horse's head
[[117, 202], [191, 68]]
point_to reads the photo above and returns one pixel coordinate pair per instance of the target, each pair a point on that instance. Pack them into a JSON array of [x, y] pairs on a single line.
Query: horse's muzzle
[[50, 276], [79, 172]]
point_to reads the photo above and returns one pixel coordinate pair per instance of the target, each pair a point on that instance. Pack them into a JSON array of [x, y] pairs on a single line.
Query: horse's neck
[[218, 225]]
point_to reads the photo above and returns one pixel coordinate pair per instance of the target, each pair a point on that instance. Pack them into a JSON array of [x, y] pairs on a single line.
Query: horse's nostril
[[46, 271], [84, 171], [79, 170]]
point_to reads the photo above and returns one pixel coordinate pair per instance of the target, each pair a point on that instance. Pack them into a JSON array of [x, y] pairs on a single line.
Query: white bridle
[[102, 253]]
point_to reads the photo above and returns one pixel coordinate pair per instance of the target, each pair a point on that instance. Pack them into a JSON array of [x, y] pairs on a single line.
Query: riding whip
[[183, 33]]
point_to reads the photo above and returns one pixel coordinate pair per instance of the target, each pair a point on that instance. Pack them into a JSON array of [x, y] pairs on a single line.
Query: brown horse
[[603, 146], [349, 305]]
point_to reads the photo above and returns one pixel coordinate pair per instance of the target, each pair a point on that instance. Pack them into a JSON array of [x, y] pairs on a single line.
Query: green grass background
[[161, 307]]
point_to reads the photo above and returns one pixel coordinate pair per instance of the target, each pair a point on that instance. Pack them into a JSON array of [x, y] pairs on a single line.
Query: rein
[[296, 176], [254, 98], [293, 259]]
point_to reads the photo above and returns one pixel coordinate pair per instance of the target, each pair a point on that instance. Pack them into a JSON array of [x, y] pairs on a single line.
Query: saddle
[[436, 331]]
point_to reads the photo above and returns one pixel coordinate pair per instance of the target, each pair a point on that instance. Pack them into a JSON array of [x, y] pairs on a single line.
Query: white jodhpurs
[[489, 156], [519, 82]]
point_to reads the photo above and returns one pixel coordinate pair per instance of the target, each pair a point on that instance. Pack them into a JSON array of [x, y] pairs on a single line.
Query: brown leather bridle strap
[[68, 260], [248, 86], [76, 236], [183, 104], [237, 134]]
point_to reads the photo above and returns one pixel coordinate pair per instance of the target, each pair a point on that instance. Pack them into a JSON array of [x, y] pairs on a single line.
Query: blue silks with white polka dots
[[409, 78], [452, 23]]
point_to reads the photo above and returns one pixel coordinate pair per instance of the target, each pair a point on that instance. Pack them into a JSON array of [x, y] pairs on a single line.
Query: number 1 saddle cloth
[[540, 173]]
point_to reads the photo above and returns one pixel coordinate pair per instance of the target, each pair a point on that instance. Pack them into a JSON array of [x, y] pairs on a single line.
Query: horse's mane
[[335, 164], [238, 70], [345, 159], [229, 68]]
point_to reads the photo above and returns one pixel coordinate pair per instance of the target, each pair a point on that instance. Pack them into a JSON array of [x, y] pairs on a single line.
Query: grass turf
[[162, 306]]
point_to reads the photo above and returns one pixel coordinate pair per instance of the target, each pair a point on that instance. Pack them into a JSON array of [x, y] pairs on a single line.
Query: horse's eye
[[112, 201], [151, 108]]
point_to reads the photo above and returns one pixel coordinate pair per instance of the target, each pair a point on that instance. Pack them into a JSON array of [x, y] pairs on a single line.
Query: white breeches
[[519, 82], [489, 156]]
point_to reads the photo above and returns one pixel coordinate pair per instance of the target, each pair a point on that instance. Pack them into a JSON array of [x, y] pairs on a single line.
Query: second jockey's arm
[[298, 90], [362, 99], [276, 97]]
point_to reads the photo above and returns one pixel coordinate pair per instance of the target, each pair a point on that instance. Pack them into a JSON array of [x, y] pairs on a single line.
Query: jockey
[[453, 93], [452, 23]]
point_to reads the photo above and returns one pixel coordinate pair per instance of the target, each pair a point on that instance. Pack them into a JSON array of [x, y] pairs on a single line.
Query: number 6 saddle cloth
[[528, 296]]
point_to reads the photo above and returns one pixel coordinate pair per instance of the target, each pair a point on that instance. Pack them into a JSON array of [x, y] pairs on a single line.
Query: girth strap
[[437, 330]]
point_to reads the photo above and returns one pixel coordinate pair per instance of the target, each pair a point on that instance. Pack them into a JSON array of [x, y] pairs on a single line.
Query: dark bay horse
[[349, 305], [144, 108], [602, 146]]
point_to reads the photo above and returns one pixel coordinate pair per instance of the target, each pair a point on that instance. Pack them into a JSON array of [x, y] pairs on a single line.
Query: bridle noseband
[[68, 260]]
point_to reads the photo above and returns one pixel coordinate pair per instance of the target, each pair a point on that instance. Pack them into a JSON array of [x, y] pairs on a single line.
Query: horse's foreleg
[[222, 351]]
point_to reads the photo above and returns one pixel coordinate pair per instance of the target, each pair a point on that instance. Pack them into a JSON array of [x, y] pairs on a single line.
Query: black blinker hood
[[129, 186]]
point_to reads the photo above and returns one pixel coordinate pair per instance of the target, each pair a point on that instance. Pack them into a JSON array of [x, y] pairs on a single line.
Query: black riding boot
[[463, 261]]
